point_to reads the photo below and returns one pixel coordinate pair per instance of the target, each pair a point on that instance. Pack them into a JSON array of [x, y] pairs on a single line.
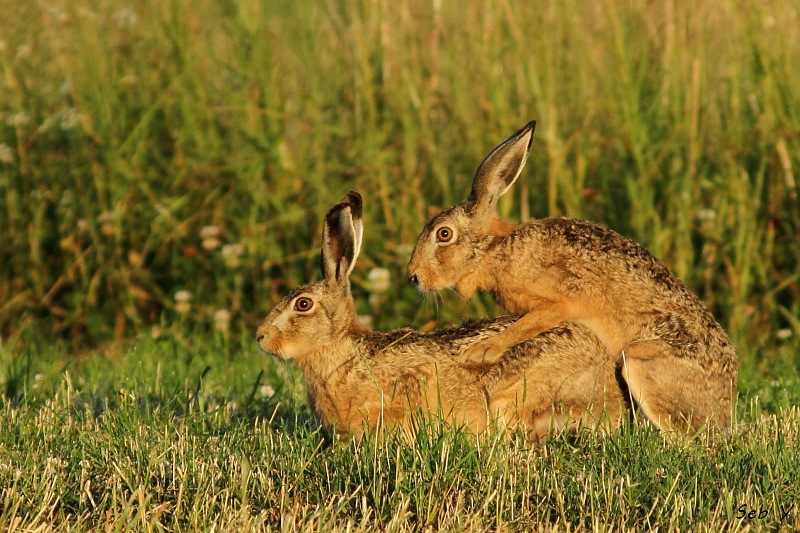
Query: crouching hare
[[358, 379], [679, 364]]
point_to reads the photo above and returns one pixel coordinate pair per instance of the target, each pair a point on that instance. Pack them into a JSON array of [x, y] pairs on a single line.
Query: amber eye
[[444, 234], [303, 304]]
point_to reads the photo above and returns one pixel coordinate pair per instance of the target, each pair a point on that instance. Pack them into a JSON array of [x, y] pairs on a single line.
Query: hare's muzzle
[[412, 270], [419, 278], [264, 338]]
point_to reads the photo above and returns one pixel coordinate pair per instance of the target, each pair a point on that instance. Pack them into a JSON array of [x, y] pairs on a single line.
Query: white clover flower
[[208, 232], [232, 250], [404, 250], [267, 391], [183, 296], [222, 320], [211, 237], [7, 154], [53, 464], [231, 254], [106, 221], [183, 301], [706, 218], [378, 280], [211, 243], [784, 333]]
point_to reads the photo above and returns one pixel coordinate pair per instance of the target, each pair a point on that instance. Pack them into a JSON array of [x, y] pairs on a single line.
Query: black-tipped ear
[[501, 168], [340, 243], [354, 200]]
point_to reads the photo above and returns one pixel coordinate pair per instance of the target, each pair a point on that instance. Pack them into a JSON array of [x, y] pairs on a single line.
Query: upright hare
[[359, 379], [678, 362]]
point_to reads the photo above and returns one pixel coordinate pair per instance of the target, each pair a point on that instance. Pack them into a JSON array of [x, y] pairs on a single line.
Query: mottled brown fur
[[678, 362], [359, 379]]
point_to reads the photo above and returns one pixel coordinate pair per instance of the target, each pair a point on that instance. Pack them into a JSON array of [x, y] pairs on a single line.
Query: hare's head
[[322, 313], [454, 243]]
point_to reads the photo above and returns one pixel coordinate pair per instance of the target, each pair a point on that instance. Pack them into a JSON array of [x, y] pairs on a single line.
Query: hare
[[358, 379], [679, 364]]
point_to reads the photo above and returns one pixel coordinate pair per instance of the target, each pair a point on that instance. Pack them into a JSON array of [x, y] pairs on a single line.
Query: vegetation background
[[164, 167]]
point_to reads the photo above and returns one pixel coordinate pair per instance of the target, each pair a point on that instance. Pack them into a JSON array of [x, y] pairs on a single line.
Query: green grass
[[164, 167], [127, 129], [172, 434]]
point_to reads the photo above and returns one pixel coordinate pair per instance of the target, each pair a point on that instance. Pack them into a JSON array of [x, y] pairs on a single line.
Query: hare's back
[[592, 251], [569, 345]]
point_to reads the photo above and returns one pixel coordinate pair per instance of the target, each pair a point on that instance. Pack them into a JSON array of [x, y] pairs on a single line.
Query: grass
[[169, 435], [127, 130], [164, 167]]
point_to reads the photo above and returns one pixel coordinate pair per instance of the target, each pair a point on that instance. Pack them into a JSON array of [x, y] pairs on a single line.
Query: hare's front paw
[[487, 351]]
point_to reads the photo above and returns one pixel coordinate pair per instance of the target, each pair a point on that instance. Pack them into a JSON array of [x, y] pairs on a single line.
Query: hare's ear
[[353, 199], [340, 241], [501, 168]]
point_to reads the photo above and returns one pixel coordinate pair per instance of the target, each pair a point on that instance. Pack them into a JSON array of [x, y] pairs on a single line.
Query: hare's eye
[[303, 304], [444, 234]]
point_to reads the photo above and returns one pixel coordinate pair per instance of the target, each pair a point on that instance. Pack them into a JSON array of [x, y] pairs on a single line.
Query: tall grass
[[164, 166], [128, 128], [167, 436]]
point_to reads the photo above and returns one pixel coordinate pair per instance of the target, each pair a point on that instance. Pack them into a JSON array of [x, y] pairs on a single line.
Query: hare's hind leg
[[559, 391], [673, 392]]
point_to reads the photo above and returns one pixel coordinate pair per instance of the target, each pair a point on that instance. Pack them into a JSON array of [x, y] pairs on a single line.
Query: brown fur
[[538, 384], [359, 379], [678, 362]]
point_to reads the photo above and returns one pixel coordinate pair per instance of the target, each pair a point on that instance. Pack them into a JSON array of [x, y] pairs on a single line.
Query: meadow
[[164, 167]]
